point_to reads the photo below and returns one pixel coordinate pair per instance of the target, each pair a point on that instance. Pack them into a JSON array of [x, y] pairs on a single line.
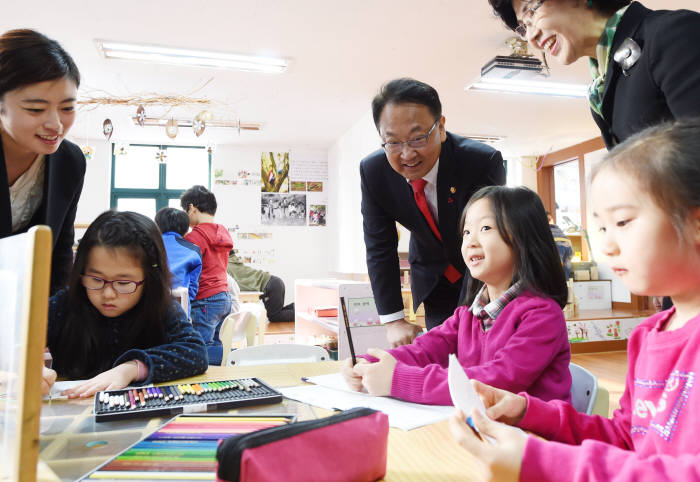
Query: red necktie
[[419, 195], [451, 273]]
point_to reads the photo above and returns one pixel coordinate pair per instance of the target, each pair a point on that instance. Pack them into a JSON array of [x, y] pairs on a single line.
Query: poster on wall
[[274, 172], [299, 186], [307, 169], [283, 209], [317, 214]]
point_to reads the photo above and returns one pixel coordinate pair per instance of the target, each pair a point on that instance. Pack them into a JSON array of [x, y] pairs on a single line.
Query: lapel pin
[[453, 189], [450, 200], [627, 55]]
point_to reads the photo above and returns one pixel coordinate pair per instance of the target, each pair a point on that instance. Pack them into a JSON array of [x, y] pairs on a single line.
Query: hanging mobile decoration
[[198, 125], [161, 156], [88, 152], [107, 128], [171, 128], [140, 115]]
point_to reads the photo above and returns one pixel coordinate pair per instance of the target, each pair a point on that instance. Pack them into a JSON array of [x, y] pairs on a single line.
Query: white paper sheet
[[331, 392]]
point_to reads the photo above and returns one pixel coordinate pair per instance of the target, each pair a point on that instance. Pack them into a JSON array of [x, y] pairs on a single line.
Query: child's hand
[[353, 380], [501, 405], [376, 377], [114, 379], [48, 378], [502, 461]]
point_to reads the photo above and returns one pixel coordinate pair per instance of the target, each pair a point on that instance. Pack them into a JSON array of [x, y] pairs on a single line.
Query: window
[[141, 183]]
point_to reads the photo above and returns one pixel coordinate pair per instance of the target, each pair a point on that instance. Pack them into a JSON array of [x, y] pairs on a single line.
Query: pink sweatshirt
[[527, 349], [653, 436]]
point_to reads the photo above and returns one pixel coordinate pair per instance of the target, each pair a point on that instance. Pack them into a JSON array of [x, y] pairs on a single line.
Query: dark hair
[[522, 223], [201, 198], [406, 91], [28, 57], [171, 219], [665, 160], [83, 347], [504, 9]]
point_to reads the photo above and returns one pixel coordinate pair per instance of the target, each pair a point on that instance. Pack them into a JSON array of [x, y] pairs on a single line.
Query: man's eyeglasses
[[526, 21], [393, 147], [122, 286]]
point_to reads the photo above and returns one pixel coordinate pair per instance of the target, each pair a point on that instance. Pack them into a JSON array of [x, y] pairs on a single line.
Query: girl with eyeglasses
[[117, 324]]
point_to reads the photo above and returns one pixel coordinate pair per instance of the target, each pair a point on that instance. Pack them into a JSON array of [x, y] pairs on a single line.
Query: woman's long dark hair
[[83, 348], [522, 223]]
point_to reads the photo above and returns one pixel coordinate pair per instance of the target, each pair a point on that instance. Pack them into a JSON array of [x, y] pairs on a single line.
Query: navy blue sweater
[[182, 355]]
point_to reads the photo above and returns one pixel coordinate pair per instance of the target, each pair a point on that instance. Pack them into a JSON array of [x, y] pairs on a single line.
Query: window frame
[[162, 195]]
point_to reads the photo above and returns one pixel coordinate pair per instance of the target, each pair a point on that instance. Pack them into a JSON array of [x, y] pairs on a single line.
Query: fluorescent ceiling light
[[539, 87], [191, 58]]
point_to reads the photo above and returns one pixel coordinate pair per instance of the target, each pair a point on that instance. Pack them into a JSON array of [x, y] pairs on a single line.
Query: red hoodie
[[215, 242]]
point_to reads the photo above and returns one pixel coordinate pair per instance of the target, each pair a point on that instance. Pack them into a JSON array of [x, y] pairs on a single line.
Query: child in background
[[184, 257], [511, 332], [117, 324], [213, 302], [646, 199]]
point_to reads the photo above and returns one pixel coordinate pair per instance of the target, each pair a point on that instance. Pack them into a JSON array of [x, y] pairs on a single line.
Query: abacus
[[182, 398]]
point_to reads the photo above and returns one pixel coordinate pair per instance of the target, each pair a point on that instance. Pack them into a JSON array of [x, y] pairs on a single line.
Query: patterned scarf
[[599, 65]]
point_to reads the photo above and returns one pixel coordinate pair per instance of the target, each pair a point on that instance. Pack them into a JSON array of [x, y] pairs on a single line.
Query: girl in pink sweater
[[511, 333], [646, 200]]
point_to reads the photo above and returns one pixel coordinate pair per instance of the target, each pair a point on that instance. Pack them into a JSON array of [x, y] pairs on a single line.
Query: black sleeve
[[63, 247], [675, 63], [496, 175], [381, 244]]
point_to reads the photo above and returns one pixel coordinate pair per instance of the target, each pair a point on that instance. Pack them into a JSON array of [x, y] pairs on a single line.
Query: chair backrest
[[584, 389], [278, 353], [236, 327], [182, 295], [259, 313]]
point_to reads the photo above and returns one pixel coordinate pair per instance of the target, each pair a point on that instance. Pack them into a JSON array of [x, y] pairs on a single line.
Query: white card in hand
[[462, 392]]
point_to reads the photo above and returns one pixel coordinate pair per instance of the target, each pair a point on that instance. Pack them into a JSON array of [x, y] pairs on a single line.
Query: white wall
[[347, 246], [299, 251]]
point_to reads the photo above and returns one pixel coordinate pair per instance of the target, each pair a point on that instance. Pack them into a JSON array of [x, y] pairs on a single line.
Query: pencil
[[347, 330]]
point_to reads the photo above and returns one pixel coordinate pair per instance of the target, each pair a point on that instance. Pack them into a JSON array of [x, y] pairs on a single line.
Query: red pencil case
[[349, 446]]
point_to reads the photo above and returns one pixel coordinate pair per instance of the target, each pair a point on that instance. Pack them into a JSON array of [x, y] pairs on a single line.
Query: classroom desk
[[69, 431]]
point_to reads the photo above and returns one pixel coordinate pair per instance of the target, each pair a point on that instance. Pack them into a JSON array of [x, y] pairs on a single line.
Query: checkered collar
[[487, 310]]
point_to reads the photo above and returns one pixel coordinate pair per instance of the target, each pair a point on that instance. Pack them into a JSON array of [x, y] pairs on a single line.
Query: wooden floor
[[609, 367]]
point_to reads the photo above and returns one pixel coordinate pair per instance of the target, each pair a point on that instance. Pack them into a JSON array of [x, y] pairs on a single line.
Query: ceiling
[[340, 53]]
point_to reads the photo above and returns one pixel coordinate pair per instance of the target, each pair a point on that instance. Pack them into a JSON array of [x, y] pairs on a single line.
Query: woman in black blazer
[[41, 174], [645, 63]]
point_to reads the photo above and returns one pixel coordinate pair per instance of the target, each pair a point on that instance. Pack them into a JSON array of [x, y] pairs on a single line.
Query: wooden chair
[[279, 353], [25, 273]]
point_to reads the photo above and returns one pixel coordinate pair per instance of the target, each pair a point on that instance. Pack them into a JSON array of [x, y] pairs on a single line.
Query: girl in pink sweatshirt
[[646, 200], [511, 333]]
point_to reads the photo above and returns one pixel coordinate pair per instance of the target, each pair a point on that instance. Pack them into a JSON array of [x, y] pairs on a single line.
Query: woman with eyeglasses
[[41, 173], [645, 64], [117, 324]]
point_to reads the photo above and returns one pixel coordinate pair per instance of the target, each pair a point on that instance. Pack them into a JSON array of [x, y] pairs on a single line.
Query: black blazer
[[664, 84], [63, 183], [466, 166]]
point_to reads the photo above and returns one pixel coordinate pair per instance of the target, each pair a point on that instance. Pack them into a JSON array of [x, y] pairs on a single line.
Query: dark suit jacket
[[63, 183], [664, 84], [466, 166]]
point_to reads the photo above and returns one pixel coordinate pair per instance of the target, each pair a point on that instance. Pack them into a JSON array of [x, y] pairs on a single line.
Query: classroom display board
[[182, 449], [25, 263]]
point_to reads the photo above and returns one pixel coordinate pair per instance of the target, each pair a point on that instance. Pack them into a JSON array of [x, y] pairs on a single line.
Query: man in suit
[[421, 178]]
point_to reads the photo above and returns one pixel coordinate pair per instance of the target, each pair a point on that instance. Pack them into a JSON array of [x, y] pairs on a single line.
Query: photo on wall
[[274, 172], [299, 186], [317, 215], [314, 186], [283, 209]]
